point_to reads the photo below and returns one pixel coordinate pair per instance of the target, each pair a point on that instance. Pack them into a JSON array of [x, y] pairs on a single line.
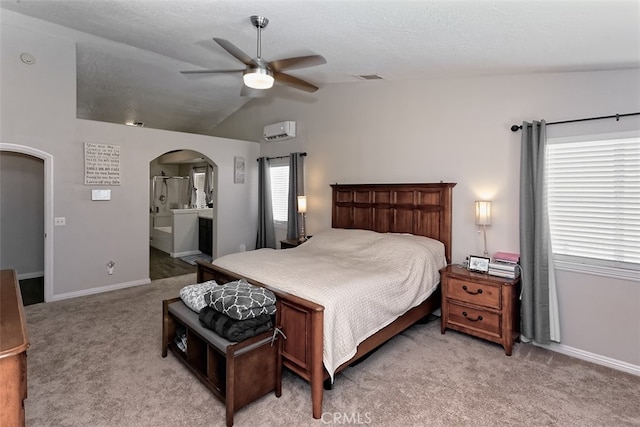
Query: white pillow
[[193, 295]]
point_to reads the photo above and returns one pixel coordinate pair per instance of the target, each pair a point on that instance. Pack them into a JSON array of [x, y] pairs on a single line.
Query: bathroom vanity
[[176, 232]]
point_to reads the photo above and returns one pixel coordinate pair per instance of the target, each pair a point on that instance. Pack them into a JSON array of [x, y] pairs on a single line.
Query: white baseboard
[[593, 358], [186, 253], [101, 289], [33, 275]]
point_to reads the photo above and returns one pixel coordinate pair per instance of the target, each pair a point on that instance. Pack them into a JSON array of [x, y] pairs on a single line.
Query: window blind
[[199, 184], [279, 191], [593, 194]]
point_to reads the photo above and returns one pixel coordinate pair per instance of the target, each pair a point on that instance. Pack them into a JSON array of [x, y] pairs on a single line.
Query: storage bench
[[236, 373]]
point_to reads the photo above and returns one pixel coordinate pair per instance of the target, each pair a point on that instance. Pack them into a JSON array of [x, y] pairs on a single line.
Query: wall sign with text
[[101, 164]]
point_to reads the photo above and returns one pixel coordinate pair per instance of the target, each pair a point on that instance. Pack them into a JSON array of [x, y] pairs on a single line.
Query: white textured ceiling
[[130, 52]]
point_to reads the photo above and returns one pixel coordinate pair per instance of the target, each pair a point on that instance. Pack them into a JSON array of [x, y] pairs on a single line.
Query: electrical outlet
[[110, 266], [60, 220]]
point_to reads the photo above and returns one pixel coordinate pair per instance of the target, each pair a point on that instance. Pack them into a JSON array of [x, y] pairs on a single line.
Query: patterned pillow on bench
[[193, 295]]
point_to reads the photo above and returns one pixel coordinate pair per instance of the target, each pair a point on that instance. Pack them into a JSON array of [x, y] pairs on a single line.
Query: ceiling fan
[[260, 74]]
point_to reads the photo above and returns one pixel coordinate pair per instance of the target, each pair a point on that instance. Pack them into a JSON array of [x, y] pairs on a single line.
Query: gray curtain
[[266, 233], [208, 185], [534, 234], [296, 188]]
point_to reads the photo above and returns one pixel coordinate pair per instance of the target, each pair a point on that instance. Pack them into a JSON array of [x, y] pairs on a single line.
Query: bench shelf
[[236, 373]]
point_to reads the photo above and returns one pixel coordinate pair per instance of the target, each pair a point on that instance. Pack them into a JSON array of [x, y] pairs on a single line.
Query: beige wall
[[38, 111], [458, 130]]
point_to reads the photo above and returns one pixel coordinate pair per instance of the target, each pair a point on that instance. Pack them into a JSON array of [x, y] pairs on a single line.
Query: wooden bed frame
[[421, 209]]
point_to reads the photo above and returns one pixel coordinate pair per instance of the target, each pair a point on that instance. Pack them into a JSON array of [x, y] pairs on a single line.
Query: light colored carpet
[[96, 361]]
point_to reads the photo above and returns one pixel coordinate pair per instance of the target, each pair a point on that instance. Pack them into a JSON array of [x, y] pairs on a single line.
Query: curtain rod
[[283, 157], [515, 128]]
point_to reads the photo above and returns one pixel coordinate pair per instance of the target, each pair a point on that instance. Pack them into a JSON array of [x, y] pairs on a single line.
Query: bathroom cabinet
[[205, 231]]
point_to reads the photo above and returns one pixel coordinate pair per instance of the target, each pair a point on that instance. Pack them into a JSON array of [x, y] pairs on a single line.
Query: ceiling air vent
[[369, 77]]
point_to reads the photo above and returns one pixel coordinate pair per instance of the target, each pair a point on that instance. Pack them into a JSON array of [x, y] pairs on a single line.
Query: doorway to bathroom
[[182, 212]]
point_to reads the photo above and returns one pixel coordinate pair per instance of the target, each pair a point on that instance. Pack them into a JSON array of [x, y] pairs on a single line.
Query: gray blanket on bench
[[231, 329]]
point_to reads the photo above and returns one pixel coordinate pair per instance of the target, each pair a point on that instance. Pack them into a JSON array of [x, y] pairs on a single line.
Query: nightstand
[[290, 243], [481, 305]]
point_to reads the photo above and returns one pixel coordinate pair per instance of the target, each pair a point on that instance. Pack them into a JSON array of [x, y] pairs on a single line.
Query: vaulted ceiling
[[130, 53]]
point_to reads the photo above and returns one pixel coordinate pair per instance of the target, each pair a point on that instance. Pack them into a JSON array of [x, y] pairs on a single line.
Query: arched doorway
[[48, 209], [182, 212]]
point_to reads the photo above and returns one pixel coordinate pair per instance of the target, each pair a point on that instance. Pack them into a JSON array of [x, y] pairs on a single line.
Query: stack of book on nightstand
[[505, 264]]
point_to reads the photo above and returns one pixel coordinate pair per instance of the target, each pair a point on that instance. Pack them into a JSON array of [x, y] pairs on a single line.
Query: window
[[199, 179], [279, 172], [593, 193], [199, 184]]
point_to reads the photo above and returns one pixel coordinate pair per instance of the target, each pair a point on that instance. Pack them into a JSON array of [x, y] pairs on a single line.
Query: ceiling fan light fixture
[[260, 74], [258, 78]]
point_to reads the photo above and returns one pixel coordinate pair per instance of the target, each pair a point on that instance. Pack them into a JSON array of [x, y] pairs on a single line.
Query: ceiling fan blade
[[297, 62], [289, 80], [236, 52], [210, 71]]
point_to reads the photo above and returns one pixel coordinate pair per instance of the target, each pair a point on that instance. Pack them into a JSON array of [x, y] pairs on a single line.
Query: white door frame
[[48, 210]]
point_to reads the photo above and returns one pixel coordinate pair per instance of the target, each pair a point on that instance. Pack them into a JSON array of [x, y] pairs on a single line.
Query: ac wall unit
[[280, 131]]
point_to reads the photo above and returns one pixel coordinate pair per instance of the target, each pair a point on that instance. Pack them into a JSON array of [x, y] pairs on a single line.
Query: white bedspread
[[365, 280]]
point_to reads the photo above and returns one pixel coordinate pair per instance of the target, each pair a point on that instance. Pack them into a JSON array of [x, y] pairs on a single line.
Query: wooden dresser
[[13, 351], [481, 305]]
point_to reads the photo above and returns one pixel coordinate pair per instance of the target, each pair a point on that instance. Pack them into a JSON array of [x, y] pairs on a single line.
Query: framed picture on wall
[[238, 170]]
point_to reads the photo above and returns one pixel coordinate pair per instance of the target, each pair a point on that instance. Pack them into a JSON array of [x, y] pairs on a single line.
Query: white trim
[[48, 210], [101, 289], [33, 275], [593, 358], [597, 270]]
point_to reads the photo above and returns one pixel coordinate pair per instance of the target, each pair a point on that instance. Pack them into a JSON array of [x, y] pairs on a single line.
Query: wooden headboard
[[421, 209]]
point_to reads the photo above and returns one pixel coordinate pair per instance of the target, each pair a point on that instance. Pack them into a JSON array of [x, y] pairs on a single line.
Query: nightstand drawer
[[474, 293], [475, 319]]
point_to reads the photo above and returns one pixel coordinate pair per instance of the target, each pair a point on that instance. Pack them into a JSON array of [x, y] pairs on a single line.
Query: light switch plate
[[100, 194]]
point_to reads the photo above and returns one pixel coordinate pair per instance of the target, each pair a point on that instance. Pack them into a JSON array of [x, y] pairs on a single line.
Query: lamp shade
[[483, 212], [258, 78], [302, 204]]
